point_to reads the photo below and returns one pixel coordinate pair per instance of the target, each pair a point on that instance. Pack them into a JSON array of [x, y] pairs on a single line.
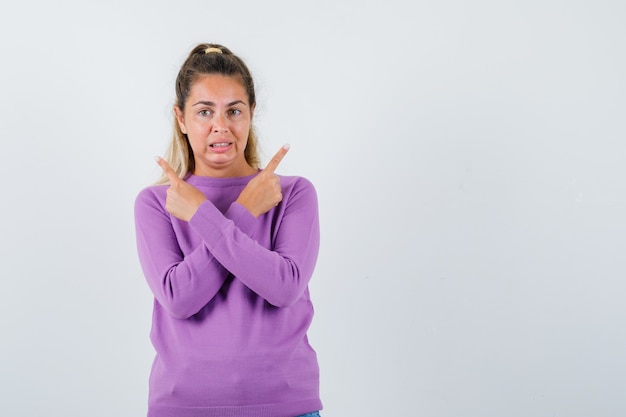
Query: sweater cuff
[[208, 219], [244, 220]]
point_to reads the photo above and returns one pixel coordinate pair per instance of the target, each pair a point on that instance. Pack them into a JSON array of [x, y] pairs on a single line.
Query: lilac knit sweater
[[232, 304]]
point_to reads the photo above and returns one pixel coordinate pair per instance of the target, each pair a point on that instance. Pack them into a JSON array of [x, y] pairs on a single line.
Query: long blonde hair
[[207, 58]]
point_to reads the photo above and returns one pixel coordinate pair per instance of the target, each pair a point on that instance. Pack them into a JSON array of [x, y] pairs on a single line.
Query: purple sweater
[[232, 304]]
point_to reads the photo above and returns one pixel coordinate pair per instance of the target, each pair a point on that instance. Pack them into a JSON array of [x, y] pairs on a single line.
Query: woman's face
[[216, 120]]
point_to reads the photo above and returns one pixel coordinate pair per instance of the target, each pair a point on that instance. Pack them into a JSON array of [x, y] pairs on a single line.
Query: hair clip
[[212, 49]]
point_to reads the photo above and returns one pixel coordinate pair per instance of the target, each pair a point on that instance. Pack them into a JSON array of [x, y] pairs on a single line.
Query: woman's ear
[[180, 119]]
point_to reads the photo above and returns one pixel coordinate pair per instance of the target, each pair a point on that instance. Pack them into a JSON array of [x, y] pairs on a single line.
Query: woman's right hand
[[183, 199], [263, 192]]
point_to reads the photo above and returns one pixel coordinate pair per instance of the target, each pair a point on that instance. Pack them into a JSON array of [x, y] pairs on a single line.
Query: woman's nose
[[219, 124]]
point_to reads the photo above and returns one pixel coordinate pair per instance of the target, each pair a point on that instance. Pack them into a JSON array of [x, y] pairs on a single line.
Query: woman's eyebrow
[[204, 103], [210, 103]]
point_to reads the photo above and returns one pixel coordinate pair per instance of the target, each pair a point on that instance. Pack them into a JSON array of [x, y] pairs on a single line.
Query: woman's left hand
[[263, 192], [183, 199]]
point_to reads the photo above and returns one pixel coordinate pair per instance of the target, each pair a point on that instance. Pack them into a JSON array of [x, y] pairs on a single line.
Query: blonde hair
[[202, 60]]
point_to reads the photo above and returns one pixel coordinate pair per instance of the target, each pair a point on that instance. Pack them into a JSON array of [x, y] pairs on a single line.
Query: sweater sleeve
[[280, 274], [182, 284]]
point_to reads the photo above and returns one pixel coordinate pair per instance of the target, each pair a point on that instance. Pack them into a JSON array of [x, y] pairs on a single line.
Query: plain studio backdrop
[[470, 162]]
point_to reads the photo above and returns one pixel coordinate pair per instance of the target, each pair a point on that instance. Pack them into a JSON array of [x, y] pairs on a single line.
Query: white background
[[470, 161]]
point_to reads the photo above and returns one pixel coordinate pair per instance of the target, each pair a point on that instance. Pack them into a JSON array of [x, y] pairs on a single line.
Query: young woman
[[228, 250]]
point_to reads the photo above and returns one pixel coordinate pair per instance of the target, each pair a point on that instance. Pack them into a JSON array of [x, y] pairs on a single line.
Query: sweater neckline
[[219, 181]]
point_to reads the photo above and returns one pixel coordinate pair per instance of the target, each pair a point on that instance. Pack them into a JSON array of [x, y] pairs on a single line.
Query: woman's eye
[[235, 112], [204, 112]]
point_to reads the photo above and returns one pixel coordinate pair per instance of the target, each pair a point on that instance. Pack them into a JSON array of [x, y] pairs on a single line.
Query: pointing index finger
[[273, 163], [167, 170]]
